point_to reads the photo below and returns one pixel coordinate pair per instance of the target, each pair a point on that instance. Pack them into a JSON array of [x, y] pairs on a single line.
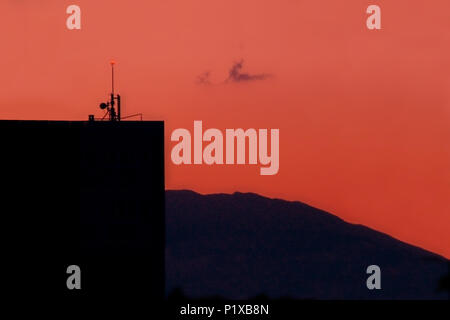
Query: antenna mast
[[112, 76], [109, 106]]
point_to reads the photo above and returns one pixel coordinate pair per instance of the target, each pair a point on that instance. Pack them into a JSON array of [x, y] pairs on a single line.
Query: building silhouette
[[86, 193]]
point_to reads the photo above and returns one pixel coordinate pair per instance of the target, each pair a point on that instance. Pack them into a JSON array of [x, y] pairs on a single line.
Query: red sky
[[364, 116]]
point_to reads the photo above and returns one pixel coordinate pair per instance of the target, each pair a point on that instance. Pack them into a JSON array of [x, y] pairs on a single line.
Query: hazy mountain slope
[[243, 245]]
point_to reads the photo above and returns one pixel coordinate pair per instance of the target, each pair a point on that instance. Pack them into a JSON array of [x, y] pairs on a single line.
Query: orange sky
[[364, 116]]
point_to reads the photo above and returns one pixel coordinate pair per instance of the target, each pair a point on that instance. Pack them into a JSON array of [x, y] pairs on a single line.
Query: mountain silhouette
[[242, 245]]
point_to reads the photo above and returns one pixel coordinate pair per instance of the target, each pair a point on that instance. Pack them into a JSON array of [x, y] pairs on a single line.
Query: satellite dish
[[103, 105]]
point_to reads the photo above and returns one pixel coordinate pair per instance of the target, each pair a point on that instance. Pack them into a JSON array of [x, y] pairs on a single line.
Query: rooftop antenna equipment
[[111, 113], [109, 106]]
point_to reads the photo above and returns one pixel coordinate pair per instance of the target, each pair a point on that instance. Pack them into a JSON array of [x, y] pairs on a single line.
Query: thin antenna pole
[[112, 76], [113, 115]]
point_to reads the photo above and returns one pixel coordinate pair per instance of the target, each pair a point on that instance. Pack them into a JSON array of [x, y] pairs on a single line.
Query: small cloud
[[235, 74]]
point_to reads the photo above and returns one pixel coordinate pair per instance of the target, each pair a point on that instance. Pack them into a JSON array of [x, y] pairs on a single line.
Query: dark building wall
[[89, 194]]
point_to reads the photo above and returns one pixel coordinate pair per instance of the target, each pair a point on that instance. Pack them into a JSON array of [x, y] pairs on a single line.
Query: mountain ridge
[[310, 247], [256, 195]]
